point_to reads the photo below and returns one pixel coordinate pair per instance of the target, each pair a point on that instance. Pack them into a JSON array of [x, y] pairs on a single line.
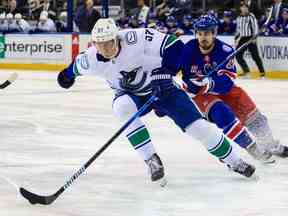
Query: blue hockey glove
[[66, 77], [162, 84], [159, 112]]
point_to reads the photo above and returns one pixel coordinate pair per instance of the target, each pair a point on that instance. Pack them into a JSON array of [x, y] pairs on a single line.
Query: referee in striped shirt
[[247, 27]]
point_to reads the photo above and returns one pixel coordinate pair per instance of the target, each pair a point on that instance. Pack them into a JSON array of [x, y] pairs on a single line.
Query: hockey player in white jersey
[[137, 63]]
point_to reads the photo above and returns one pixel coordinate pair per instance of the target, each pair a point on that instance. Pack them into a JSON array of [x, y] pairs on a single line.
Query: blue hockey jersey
[[195, 66]]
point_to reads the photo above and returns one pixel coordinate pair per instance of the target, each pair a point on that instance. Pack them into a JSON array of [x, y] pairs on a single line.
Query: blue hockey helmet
[[187, 18], [171, 21], [205, 22]]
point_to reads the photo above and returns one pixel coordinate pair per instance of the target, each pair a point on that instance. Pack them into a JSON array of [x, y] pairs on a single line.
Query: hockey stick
[[11, 79], [46, 200]]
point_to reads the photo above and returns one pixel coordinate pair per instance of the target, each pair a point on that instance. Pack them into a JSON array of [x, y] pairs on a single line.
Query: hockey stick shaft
[[46, 200], [238, 50]]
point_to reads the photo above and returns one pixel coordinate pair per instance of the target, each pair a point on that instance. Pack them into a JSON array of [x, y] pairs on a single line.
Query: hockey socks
[[214, 140], [140, 139]]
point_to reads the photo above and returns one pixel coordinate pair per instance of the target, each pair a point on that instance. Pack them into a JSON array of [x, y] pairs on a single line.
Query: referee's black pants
[[253, 49]]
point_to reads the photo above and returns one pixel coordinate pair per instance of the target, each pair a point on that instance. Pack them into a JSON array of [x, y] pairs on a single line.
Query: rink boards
[[55, 51]]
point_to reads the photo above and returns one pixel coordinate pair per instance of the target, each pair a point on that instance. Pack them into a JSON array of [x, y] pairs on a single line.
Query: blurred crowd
[[34, 16]]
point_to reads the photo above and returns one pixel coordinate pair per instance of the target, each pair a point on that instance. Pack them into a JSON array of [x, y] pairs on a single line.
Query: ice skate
[[260, 154], [156, 170], [244, 168], [279, 150]]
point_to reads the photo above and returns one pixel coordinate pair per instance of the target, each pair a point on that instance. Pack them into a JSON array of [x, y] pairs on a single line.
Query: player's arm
[[222, 79], [166, 46], [77, 67], [186, 70]]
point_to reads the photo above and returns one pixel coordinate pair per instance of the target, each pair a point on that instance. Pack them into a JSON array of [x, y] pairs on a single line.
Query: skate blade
[[254, 178], [269, 162], [162, 182]]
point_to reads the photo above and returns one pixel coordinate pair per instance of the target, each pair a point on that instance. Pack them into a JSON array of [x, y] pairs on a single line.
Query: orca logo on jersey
[[131, 37], [129, 77], [84, 62]]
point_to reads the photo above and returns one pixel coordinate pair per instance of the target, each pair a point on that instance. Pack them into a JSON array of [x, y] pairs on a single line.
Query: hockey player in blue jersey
[[137, 63], [219, 98]]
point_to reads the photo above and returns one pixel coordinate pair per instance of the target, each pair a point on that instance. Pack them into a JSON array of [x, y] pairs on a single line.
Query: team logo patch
[[226, 48], [84, 61], [131, 37]]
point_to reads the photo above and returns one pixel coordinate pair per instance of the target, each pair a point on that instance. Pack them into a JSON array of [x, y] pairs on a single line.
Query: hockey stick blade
[[10, 80], [37, 199], [46, 200]]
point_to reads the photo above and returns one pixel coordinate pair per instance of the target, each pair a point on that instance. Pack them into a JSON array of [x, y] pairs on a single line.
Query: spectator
[[227, 24], [188, 25], [123, 22], [46, 6], [276, 9], [143, 11], [86, 16], [262, 21], [12, 7], [12, 27], [163, 10], [173, 27], [45, 24], [22, 25], [135, 23], [213, 13], [22, 5], [3, 23], [160, 26], [253, 7], [281, 27]]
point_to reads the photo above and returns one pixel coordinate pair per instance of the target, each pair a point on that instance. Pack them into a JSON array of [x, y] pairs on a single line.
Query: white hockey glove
[[206, 84]]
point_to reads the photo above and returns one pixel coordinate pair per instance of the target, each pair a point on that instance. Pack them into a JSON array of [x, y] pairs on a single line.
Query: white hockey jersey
[[141, 53]]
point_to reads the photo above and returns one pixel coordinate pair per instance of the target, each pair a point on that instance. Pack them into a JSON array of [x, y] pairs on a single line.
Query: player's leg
[[224, 118], [245, 109], [218, 112], [240, 58], [185, 114], [253, 49], [258, 125], [124, 107]]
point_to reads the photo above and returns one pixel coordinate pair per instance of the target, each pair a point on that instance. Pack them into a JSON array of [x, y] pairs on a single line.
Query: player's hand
[[162, 84], [64, 81], [206, 84]]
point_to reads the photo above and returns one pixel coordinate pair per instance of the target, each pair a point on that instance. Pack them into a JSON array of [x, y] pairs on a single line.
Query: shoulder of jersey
[[131, 36], [226, 48], [191, 43]]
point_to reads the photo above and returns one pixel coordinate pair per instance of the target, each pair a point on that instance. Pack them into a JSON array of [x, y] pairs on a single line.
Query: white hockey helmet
[[18, 16], [2, 16], [9, 16], [104, 29]]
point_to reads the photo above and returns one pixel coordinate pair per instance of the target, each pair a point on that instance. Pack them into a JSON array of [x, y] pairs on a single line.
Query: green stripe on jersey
[[222, 149], [75, 70], [139, 137], [170, 41]]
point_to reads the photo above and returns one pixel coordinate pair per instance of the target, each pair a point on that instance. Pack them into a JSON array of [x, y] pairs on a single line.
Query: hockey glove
[[162, 84], [205, 85], [66, 77]]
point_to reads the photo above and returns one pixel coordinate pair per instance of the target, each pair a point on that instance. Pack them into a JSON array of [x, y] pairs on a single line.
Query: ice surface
[[47, 133]]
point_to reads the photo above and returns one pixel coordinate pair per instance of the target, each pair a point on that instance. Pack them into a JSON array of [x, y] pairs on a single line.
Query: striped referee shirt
[[247, 26]]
